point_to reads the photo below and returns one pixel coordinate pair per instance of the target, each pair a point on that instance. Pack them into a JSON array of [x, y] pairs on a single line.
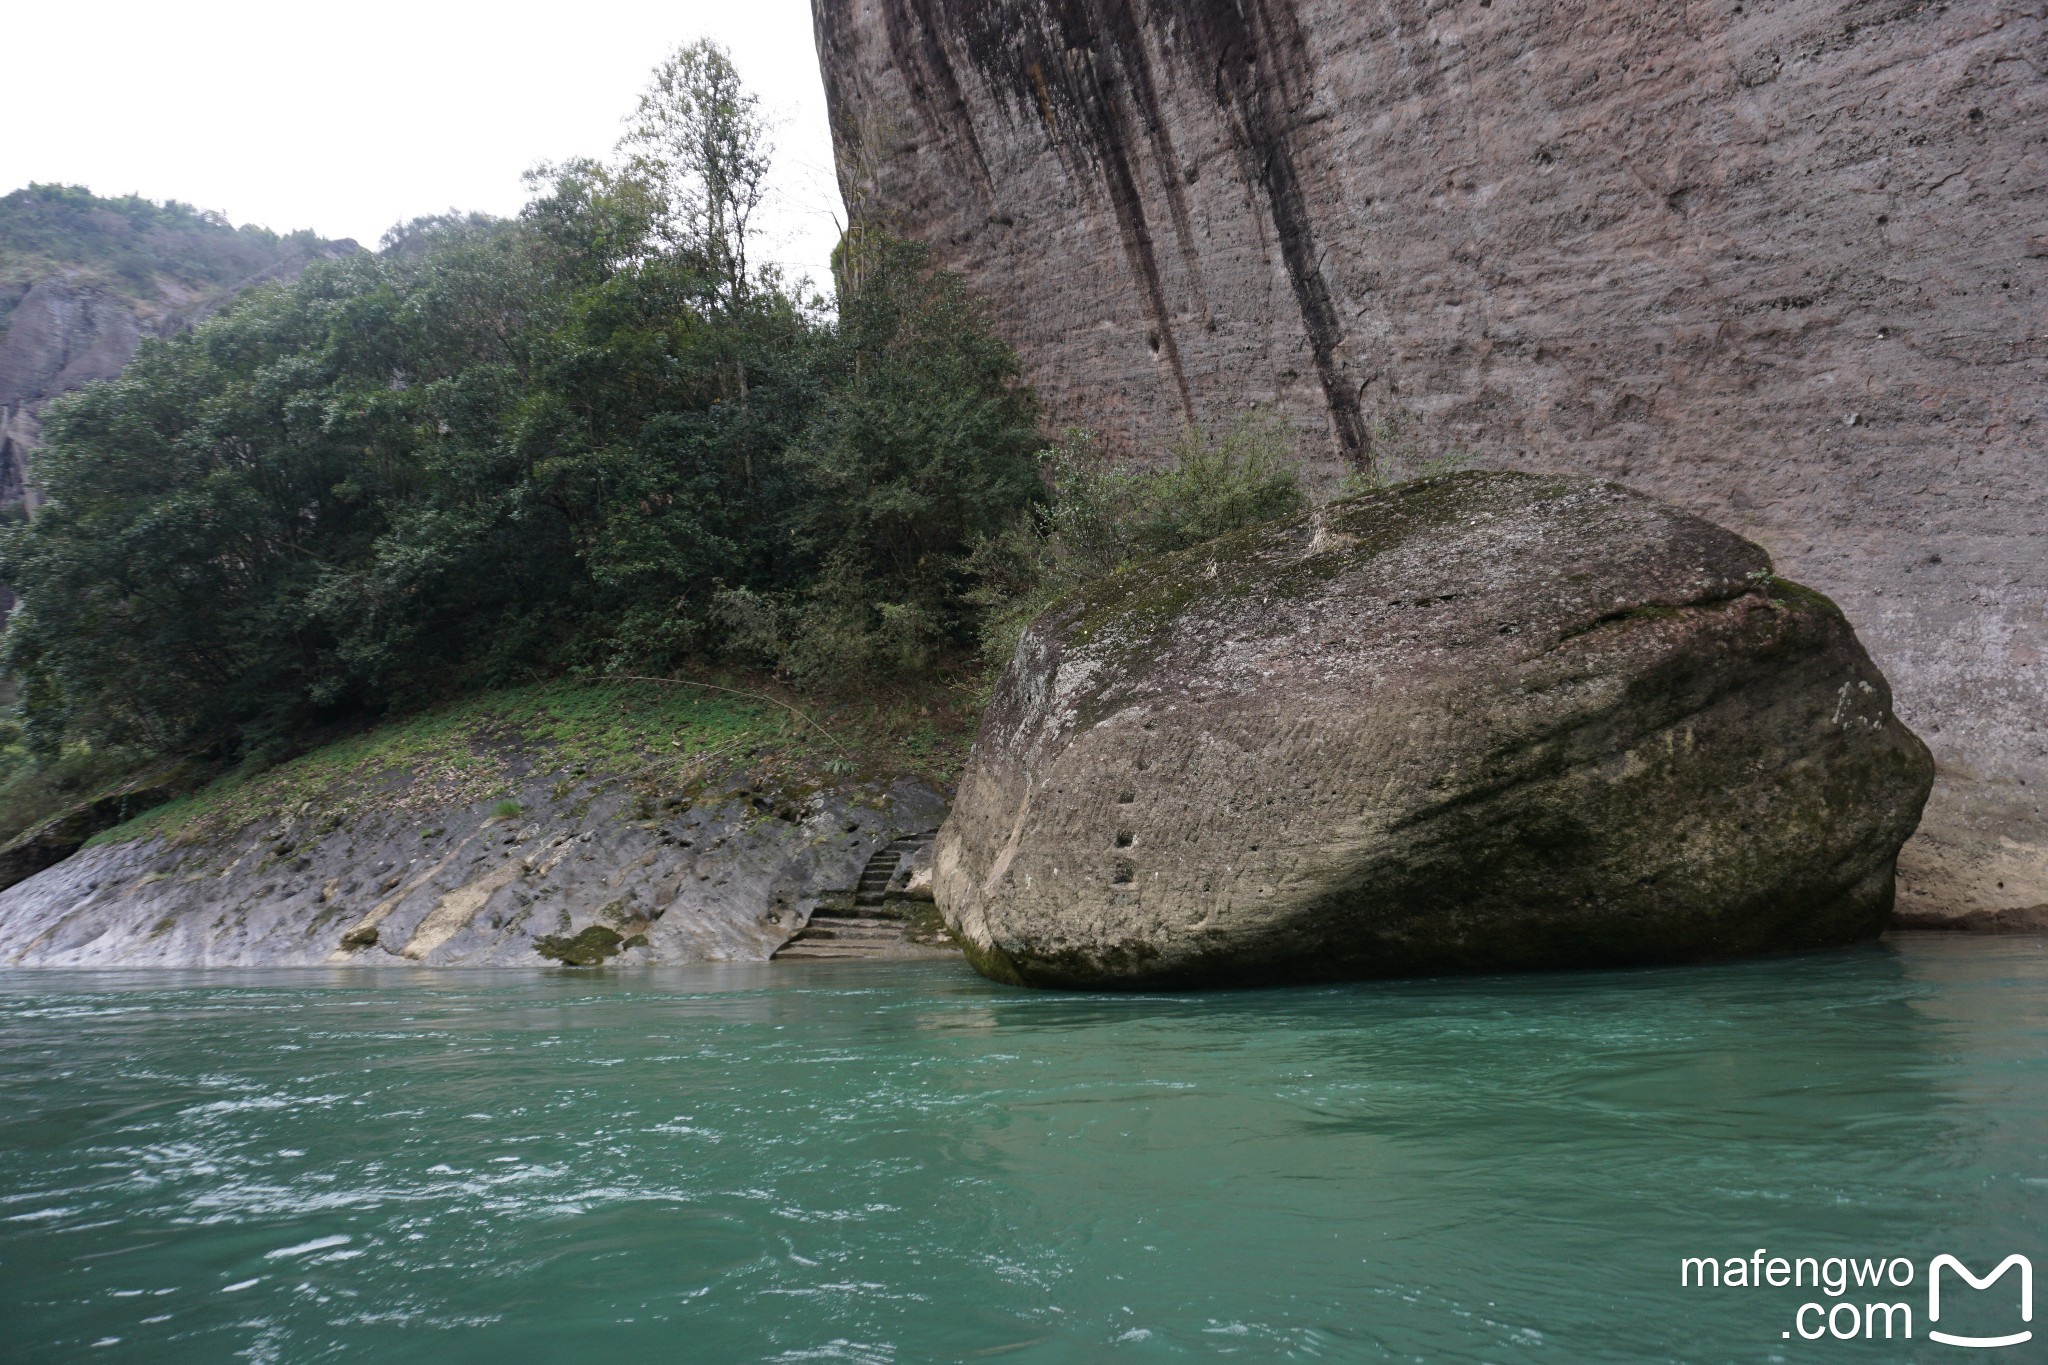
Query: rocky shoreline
[[583, 870], [566, 823]]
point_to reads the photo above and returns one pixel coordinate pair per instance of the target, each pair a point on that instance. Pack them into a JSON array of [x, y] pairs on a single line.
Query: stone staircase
[[870, 922]]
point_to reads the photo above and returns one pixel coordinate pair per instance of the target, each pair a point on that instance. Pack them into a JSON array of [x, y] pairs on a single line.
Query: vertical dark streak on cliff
[[1119, 18], [1106, 120], [920, 53], [1129, 205], [1047, 57], [1251, 47], [1085, 70]]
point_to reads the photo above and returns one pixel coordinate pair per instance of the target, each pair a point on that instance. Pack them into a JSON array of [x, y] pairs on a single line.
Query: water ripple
[[908, 1164]]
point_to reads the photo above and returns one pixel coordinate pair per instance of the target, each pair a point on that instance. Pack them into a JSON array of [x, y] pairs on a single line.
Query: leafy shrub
[[1099, 515], [1219, 481], [32, 790]]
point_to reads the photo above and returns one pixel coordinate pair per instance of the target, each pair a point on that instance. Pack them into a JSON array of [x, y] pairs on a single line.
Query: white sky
[[349, 118]]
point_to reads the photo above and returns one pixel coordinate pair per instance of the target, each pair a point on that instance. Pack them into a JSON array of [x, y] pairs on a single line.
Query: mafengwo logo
[[1864, 1302], [1944, 1262]]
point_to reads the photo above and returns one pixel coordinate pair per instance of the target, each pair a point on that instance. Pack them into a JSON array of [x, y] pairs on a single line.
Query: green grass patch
[[661, 738]]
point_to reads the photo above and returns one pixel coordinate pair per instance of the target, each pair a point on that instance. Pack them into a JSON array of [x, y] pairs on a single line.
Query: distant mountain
[[84, 278]]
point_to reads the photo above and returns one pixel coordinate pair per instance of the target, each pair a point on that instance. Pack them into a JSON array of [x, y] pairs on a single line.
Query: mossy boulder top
[[1488, 721]]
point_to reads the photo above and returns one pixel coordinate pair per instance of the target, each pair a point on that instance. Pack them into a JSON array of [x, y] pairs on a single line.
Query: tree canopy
[[584, 438], [589, 439]]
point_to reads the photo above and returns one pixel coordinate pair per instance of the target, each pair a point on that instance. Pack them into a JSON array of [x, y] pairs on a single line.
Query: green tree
[[195, 501], [920, 445], [579, 439], [699, 143]]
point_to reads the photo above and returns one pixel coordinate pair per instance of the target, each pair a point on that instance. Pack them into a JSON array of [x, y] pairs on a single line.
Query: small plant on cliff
[[1221, 479], [1402, 450], [1099, 514]]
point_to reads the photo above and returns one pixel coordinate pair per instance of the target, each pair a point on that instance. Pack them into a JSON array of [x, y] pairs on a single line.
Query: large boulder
[[1481, 722], [1784, 264]]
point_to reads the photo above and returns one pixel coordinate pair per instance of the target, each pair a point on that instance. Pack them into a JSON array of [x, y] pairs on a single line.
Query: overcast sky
[[349, 118]]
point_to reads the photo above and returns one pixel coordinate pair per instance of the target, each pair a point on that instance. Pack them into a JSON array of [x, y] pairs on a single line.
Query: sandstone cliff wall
[[67, 330], [62, 335], [1779, 261]]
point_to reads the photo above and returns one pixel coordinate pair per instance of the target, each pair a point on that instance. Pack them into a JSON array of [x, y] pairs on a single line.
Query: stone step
[[832, 939], [865, 930], [821, 953], [849, 936]]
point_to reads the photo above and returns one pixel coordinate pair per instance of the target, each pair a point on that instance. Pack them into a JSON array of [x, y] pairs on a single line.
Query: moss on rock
[[1477, 722], [593, 947]]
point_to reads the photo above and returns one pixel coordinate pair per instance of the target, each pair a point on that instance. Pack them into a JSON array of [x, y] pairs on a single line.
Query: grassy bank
[[660, 737]]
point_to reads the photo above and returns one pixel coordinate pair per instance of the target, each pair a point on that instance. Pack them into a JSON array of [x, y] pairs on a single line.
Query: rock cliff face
[[67, 330], [1780, 262], [60, 336]]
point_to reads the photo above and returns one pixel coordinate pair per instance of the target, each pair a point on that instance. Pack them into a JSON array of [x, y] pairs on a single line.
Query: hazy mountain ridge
[[83, 279]]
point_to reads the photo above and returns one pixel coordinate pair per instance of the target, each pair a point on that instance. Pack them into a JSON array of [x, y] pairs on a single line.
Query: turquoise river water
[[824, 1162]]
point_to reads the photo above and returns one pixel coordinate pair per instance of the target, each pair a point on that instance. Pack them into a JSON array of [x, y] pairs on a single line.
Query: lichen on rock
[[1486, 721]]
